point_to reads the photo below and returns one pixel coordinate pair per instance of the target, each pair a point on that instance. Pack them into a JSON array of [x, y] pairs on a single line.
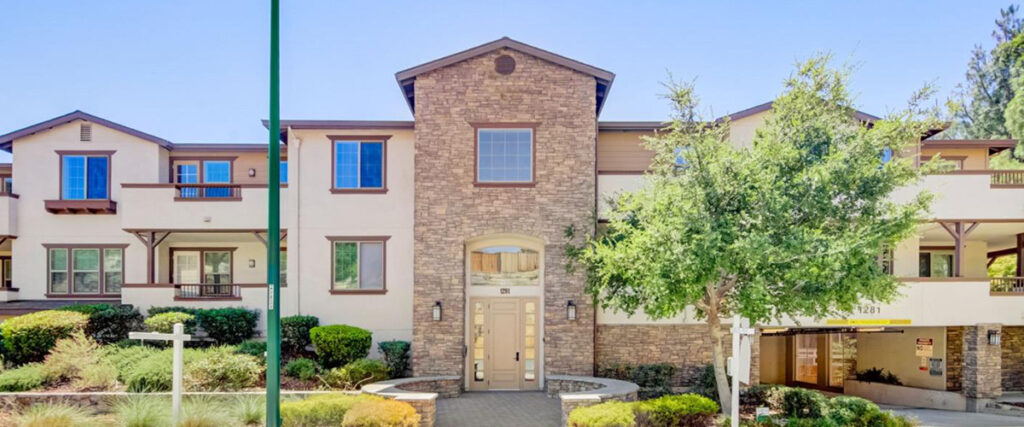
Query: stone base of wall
[[420, 392], [687, 347], [574, 392], [954, 358], [1013, 358]]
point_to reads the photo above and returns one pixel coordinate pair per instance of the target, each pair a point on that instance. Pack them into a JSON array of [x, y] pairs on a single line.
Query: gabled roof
[[860, 115], [407, 77], [6, 140]]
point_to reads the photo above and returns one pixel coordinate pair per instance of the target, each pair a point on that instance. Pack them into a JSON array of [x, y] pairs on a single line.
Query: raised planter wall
[[420, 392], [574, 391], [906, 396]]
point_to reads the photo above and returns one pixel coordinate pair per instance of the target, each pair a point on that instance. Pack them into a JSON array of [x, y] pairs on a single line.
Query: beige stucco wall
[[134, 160], [773, 359], [741, 131], [895, 353], [314, 213], [974, 158]]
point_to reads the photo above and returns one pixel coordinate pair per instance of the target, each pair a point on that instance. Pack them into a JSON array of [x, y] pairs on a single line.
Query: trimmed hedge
[[655, 380], [164, 322], [228, 325], [108, 323], [28, 338], [680, 410], [295, 333], [608, 414], [381, 413], [396, 355], [301, 368], [338, 345], [320, 410]]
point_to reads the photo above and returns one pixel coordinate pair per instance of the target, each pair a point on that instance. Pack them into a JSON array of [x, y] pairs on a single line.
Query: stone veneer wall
[[687, 347], [954, 358], [1013, 358], [982, 372], [449, 209]]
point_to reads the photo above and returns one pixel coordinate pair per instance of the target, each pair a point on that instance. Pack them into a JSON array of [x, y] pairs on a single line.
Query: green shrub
[[845, 410], [877, 375], [204, 412], [654, 379], [607, 414], [228, 325], [381, 413], [295, 333], [767, 395], [804, 403], [706, 385], [142, 411], [29, 337], [53, 415], [253, 348], [164, 322], [219, 369], [250, 410], [337, 345], [153, 311], [124, 358], [301, 368], [396, 355], [884, 419], [109, 323], [319, 411], [150, 373], [80, 359], [813, 422], [24, 378], [356, 374], [680, 410]]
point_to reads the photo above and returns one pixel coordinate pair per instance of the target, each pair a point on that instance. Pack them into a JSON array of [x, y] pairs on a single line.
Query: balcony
[[155, 294], [8, 215], [195, 207]]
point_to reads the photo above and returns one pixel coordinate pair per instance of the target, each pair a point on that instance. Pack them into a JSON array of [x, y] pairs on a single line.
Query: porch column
[[982, 365], [959, 233], [1020, 255], [151, 239]]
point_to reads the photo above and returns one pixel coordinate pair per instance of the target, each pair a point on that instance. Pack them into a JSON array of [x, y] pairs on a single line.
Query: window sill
[[359, 292], [505, 184], [207, 199], [77, 207], [359, 190], [208, 298], [85, 296]]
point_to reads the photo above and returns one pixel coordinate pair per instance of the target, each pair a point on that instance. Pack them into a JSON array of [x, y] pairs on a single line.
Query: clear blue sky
[[196, 71]]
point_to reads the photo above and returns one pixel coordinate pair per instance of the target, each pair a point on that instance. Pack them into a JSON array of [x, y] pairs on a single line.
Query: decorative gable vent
[[85, 132]]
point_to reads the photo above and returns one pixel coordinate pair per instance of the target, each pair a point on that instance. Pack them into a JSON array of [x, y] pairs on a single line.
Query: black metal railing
[[206, 291], [208, 191]]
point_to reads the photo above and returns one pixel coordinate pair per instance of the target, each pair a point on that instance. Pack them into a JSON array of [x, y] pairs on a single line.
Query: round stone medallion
[[504, 64]]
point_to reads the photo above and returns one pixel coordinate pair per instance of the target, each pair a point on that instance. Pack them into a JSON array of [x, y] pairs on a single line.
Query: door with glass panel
[[186, 272], [503, 340], [187, 173]]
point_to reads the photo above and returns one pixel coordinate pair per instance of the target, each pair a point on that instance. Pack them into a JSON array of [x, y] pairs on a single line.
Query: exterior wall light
[[995, 337], [570, 310], [252, 263], [252, 172], [437, 311]]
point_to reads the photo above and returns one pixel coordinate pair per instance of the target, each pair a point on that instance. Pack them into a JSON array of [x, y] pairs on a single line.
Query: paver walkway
[[499, 409], [937, 418]]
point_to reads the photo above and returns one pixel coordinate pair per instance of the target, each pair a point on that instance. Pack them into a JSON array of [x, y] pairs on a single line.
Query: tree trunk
[[718, 356]]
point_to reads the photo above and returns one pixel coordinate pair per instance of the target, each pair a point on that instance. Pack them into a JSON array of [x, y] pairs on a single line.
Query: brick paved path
[[499, 409]]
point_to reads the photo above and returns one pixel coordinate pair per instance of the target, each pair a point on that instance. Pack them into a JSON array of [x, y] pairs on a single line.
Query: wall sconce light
[[252, 263], [437, 311], [995, 337], [570, 310], [252, 172]]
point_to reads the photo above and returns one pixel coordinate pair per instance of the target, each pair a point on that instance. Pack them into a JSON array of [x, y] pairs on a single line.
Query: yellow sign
[[866, 322]]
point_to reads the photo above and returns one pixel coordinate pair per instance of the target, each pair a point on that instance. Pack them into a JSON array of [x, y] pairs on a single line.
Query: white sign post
[[739, 363], [178, 337]]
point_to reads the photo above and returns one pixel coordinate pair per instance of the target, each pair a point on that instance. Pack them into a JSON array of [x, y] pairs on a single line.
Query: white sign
[[924, 347], [178, 337], [742, 333]]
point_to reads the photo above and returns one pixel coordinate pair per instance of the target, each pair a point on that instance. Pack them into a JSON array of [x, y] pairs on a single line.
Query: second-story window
[[85, 177], [217, 172], [359, 165], [504, 156], [284, 171]]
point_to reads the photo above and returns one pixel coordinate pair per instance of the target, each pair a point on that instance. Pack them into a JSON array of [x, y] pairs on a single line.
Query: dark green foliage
[[109, 323], [655, 380], [878, 375], [295, 333], [338, 345], [846, 410], [253, 348], [706, 385], [228, 325], [804, 403], [396, 356], [767, 395], [29, 337], [301, 368], [811, 422], [153, 311], [679, 410]]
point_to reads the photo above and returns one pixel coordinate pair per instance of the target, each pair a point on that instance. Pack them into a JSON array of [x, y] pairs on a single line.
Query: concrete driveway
[[937, 418]]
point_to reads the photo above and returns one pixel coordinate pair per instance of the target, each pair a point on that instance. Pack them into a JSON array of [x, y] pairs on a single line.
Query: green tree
[[1004, 266], [790, 226]]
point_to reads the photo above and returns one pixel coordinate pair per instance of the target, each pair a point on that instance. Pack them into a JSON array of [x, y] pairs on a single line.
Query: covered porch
[[970, 250]]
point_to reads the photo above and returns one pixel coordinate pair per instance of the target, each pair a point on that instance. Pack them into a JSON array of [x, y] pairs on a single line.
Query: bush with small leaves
[[108, 323], [219, 369], [608, 414], [228, 325], [381, 413], [24, 378], [320, 410], [767, 395], [680, 410], [356, 374], [29, 337], [295, 333], [164, 322], [804, 403], [253, 348], [337, 345], [396, 355], [301, 368], [845, 410]]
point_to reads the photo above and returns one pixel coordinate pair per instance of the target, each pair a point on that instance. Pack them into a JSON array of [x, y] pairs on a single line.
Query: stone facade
[[982, 372], [1013, 358], [954, 358], [687, 347], [449, 208]]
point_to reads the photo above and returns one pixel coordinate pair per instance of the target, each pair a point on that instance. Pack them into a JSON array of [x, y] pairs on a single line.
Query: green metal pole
[[274, 227]]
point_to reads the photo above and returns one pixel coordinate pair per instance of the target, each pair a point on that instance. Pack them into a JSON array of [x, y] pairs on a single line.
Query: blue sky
[[196, 71]]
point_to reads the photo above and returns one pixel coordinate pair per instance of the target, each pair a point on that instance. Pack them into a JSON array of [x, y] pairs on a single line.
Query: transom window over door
[[85, 176], [359, 164], [358, 264], [505, 156]]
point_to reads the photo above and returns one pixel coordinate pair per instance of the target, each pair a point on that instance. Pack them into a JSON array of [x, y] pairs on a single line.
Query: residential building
[[449, 231]]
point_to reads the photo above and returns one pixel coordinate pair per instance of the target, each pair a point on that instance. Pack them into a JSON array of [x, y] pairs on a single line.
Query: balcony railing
[[207, 291], [1007, 285], [207, 192], [1008, 178]]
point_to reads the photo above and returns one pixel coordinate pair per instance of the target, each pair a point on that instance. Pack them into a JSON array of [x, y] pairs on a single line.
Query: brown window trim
[[202, 267], [5, 286], [383, 265], [70, 272], [3, 188], [383, 139], [172, 174], [86, 206], [477, 126]]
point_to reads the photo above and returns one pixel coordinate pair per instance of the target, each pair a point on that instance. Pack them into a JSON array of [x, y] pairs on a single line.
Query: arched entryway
[[504, 312]]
